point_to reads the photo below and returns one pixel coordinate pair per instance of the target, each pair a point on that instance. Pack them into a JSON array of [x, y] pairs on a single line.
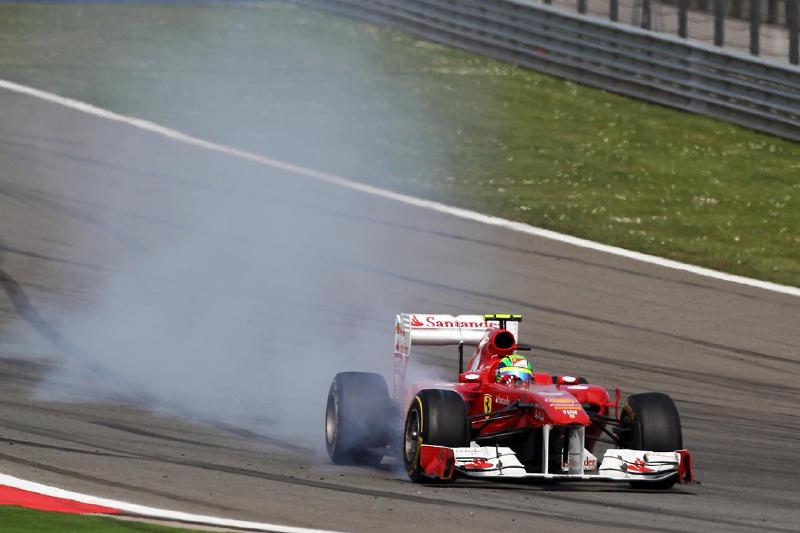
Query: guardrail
[[659, 68]]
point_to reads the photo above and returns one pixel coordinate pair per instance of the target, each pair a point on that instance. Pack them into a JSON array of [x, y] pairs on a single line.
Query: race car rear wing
[[442, 330]]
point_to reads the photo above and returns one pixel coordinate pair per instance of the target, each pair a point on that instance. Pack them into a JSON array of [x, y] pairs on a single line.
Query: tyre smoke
[[192, 282]]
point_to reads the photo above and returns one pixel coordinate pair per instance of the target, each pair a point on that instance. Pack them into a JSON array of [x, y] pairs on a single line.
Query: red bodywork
[[559, 401]]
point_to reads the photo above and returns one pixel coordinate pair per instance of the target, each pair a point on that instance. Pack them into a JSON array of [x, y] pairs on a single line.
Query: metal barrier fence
[[616, 57], [767, 28]]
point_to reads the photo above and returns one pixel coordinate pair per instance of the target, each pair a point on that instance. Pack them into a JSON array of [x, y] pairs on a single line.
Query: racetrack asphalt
[[729, 355]]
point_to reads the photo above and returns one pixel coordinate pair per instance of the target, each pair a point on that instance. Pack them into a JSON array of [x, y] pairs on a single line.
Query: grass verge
[[20, 520], [383, 107]]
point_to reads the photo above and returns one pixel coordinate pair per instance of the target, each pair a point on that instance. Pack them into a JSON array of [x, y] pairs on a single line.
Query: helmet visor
[[521, 373]]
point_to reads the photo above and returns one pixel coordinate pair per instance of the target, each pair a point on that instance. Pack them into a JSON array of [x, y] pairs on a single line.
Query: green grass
[[19, 520], [382, 107]]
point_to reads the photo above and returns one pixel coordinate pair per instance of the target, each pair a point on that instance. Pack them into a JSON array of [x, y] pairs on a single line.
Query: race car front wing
[[500, 462]]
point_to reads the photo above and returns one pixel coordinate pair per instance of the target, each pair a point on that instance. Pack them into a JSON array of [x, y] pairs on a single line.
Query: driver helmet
[[514, 370]]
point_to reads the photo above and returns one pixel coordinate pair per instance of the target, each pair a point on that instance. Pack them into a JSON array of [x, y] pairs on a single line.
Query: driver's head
[[514, 370]]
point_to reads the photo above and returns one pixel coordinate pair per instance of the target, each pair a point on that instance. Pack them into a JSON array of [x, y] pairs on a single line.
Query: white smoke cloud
[[226, 291]]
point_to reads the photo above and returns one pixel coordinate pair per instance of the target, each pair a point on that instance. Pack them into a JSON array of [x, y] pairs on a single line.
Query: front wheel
[[357, 418], [437, 417], [651, 422]]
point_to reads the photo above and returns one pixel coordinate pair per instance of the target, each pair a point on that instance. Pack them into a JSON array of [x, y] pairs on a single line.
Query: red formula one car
[[547, 429]]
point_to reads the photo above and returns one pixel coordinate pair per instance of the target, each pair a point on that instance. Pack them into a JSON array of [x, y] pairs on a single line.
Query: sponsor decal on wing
[[478, 464], [589, 463], [446, 321], [639, 467], [471, 453]]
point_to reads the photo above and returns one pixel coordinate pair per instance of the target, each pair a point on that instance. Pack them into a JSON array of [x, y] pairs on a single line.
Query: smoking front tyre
[[357, 418]]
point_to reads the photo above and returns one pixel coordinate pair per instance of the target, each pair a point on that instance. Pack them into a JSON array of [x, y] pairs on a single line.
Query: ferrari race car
[[548, 429]]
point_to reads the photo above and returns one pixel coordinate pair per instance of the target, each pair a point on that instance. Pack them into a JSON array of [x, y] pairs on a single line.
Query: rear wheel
[[357, 418], [651, 422], [437, 417]]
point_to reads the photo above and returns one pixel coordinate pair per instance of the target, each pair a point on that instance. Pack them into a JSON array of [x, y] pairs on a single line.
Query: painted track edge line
[[462, 213], [132, 509]]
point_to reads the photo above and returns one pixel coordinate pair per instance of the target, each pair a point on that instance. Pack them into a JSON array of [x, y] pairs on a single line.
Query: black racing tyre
[[651, 422], [357, 418], [437, 417]]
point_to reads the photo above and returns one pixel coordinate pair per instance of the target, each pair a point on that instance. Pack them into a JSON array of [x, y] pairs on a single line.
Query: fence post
[[683, 26], [719, 22], [647, 15], [772, 11], [755, 26], [791, 23], [613, 10]]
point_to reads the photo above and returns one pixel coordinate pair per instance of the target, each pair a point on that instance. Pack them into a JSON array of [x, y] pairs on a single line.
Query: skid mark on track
[[38, 200], [4, 248], [556, 492], [243, 432], [226, 427], [538, 253], [22, 305], [280, 478], [25, 309], [32, 154], [64, 449], [154, 435]]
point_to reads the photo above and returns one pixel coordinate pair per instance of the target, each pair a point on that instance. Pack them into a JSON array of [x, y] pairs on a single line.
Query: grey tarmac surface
[[728, 354]]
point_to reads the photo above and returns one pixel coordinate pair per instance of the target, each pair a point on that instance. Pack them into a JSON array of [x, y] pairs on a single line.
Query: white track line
[[403, 198], [150, 512]]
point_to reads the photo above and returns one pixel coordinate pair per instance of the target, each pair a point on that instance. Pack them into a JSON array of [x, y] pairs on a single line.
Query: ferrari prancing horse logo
[[487, 403]]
